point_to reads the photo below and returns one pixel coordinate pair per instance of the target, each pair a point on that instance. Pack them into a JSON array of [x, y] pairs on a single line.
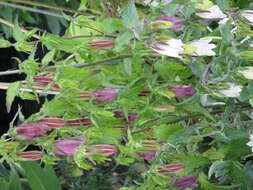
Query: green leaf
[[123, 39], [130, 15], [18, 34], [15, 181], [35, 175], [38, 178], [163, 132], [4, 43], [223, 4], [206, 185], [11, 93], [48, 57], [4, 184], [27, 96], [52, 179], [111, 25], [235, 148], [53, 24], [220, 169], [192, 161]]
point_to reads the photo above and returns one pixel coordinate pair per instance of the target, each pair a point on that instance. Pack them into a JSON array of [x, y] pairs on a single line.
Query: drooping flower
[[106, 94], [102, 149], [247, 72], [248, 14], [144, 92], [32, 130], [149, 154], [177, 22], [44, 81], [151, 149], [131, 117], [232, 91], [213, 12], [100, 44], [30, 155], [202, 47], [171, 168], [187, 181], [67, 147], [58, 123], [171, 48], [182, 91]]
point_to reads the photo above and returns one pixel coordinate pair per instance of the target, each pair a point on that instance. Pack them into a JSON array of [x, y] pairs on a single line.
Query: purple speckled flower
[[182, 90], [131, 117], [106, 94], [175, 20], [29, 131], [67, 147], [187, 181], [149, 155]]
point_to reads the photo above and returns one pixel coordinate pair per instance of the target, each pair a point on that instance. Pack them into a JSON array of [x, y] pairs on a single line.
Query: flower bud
[[102, 149], [177, 22], [67, 147], [106, 94], [100, 44], [144, 92], [171, 168], [31, 130], [187, 181], [182, 91], [148, 155], [30, 155]]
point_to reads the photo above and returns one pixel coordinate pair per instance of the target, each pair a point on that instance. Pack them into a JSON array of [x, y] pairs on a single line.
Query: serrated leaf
[[220, 169], [48, 57], [206, 185], [163, 132], [4, 43], [18, 34], [130, 15], [12, 91], [111, 25]]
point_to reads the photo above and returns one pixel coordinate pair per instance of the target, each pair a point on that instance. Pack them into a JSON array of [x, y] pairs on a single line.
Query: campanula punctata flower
[[106, 94], [177, 22], [182, 91], [30, 155], [31, 130], [186, 181], [102, 149], [171, 168], [67, 147], [148, 155]]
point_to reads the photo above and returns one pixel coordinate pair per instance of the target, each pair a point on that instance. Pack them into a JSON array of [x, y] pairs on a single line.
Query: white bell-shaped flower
[[213, 12], [203, 47], [171, 48], [247, 72], [248, 14], [232, 91]]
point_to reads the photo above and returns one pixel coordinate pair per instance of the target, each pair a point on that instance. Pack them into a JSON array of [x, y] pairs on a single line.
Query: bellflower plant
[[161, 90]]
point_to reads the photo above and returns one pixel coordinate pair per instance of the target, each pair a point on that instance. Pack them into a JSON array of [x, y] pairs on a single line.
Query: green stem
[[31, 9], [90, 36], [28, 2]]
